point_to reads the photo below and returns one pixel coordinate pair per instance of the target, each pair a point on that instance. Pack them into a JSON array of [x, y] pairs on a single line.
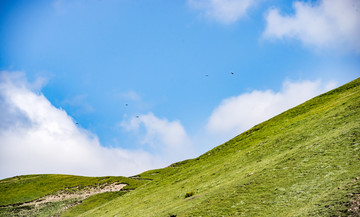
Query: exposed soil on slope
[[355, 206], [79, 193]]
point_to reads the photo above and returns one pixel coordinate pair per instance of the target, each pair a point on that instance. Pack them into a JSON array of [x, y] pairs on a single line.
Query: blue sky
[[141, 84]]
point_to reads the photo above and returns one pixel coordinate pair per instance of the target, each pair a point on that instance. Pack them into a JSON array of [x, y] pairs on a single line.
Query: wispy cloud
[[79, 102], [36, 137], [61, 7], [167, 137], [239, 113], [130, 95], [224, 11], [323, 24]]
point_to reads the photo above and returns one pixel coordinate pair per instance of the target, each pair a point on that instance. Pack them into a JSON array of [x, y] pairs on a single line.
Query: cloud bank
[[239, 113], [324, 24], [223, 11], [36, 137]]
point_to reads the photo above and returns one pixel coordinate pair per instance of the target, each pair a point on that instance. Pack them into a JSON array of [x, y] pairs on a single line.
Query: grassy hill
[[50, 195], [303, 162]]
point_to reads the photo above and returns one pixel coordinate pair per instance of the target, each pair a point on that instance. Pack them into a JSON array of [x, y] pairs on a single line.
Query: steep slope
[[303, 162]]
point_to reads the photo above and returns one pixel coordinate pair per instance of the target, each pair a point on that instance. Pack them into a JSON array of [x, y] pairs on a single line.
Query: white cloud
[[169, 137], [36, 137], [324, 24], [239, 113], [224, 11]]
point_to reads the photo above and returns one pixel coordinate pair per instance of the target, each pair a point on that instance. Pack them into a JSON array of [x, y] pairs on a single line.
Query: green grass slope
[[17, 192], [303, 162]]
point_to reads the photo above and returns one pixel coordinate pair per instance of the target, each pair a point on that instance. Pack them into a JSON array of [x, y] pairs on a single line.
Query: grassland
[[22, 195], [303, 162]]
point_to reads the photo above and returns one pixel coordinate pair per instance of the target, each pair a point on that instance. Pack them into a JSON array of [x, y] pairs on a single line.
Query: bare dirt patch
[[355, 206], [79, 193]]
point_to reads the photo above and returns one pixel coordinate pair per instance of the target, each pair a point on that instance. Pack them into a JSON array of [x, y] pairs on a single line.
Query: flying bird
[[232, 73]]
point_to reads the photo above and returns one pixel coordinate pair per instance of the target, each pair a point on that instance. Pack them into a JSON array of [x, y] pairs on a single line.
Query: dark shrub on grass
[[189, 194]]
